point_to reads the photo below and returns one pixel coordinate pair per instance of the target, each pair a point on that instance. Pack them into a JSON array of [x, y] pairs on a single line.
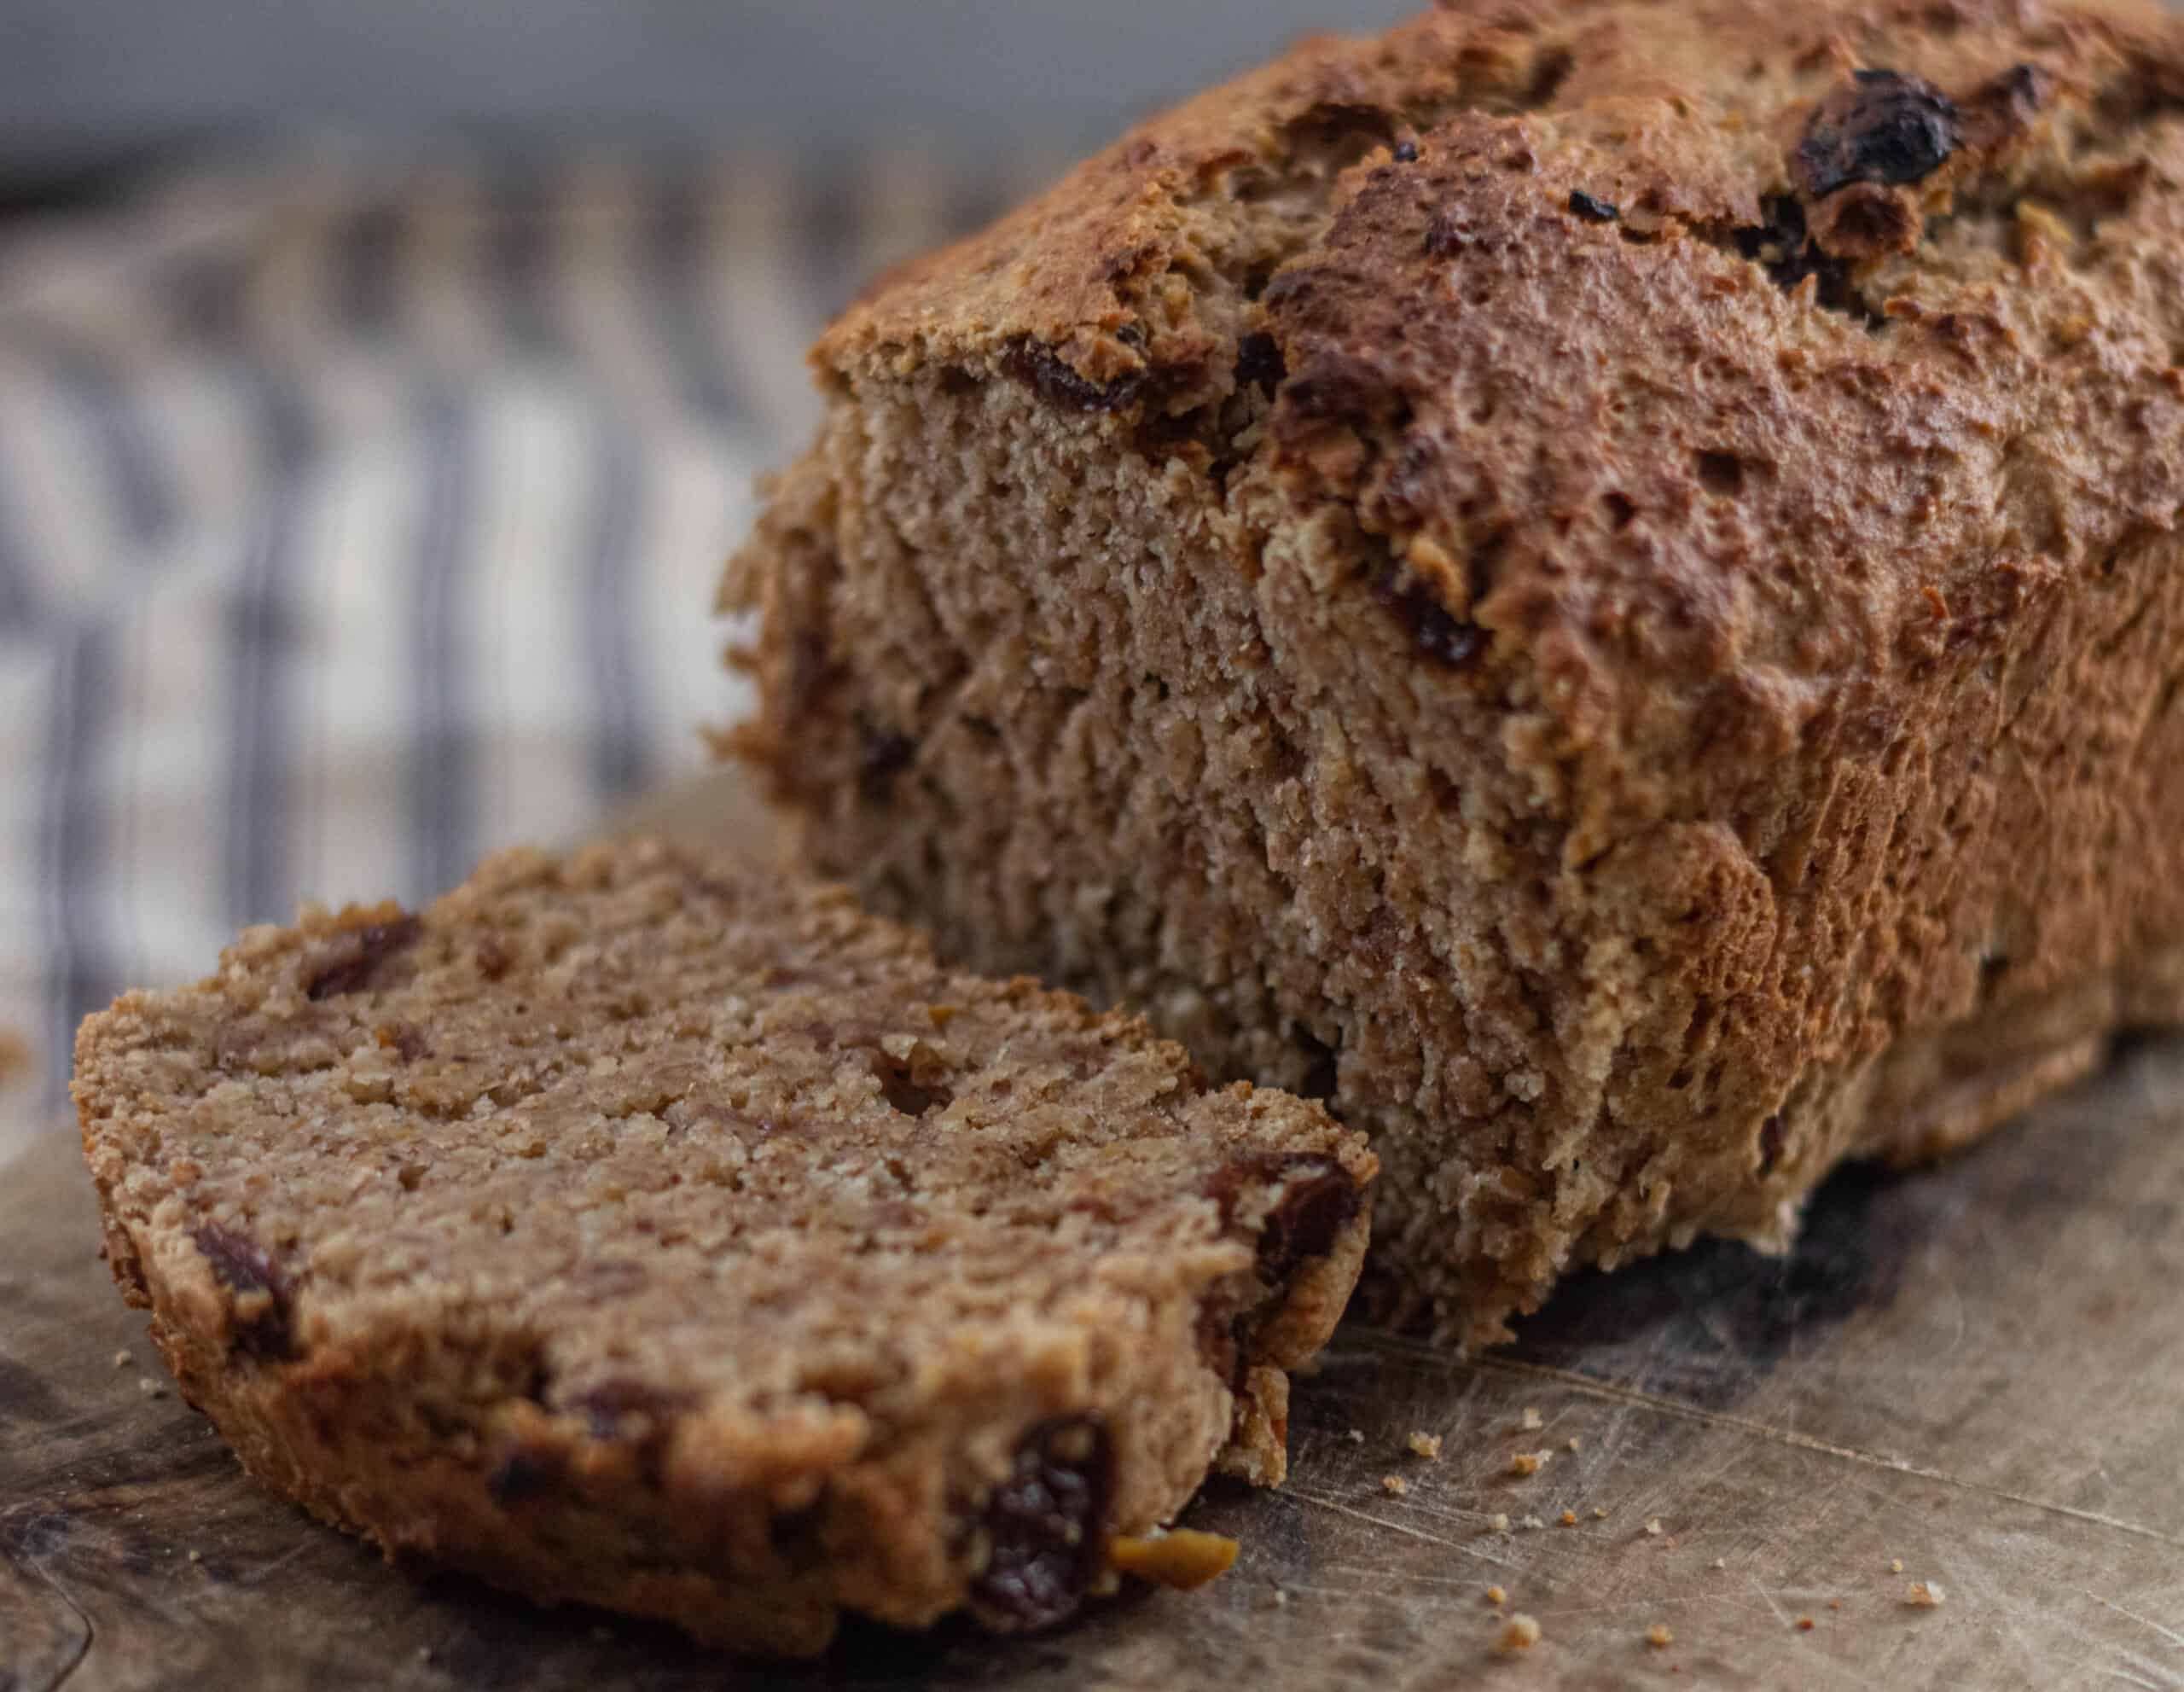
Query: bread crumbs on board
[[1494, 1594], [1925, 1595], [1424, 1444], [1520, 1635], [1394, 1485], [1659, 1636]]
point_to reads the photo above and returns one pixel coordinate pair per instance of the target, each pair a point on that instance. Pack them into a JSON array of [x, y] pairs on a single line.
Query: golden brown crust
[[1603, 576], [631, 1232]]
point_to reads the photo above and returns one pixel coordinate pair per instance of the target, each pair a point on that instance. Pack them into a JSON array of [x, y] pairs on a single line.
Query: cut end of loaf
[[629, 1230]]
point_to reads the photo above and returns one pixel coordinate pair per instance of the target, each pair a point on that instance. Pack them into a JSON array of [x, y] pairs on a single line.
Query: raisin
[[248, 1271], [1039, 368], [1046, 1525], [1319, 1201], [521, 1473], [796, 1535], [1259, 363], [1881, 126], [882, 755], [1406, 151], [1446, 640], [619, 1406], [1781, 245], [1592, 211], [352, 970]]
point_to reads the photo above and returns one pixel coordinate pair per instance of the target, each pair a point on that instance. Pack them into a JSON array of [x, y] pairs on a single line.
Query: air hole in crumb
[[1448, 797], [1679, 1080], [1723, 473], [1620, 510], [902, 1092]]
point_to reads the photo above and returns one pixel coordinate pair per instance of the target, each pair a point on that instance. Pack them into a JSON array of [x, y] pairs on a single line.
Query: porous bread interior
[[1603, 948], [635, 1233]]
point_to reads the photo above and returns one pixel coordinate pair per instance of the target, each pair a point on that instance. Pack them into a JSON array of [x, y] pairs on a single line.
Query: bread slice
[[1596, 582], [631, 1232]]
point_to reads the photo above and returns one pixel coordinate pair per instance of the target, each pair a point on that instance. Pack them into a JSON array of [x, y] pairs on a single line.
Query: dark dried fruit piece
[[351, 969], [619, 1408], [523, 1471], [1591, 210], [1881, 126], [1259, 363], [1782, 246], [1045, 1526], [1320, 1202], [1445, 639], [882, 755], [1039, 368], [795, 1536], [262, 1288]]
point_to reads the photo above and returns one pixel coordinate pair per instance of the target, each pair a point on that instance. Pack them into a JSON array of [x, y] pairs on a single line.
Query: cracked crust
[[636, 1233], [1596, 582]]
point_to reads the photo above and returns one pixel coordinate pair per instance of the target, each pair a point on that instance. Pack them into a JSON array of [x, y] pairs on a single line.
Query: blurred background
[[381, 386]]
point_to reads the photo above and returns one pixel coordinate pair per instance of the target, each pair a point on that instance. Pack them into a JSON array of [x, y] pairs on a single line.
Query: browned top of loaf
[[1738, 342], [656, 1138]]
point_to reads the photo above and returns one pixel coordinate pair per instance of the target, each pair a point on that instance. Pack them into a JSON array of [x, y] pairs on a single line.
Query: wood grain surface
[[1978, 1371]]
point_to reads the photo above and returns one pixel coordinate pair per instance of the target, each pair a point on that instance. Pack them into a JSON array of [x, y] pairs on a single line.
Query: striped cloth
[[356, 518]]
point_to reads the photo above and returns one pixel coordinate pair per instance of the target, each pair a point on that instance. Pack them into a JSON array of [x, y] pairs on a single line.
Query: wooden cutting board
[[1978, 1371]]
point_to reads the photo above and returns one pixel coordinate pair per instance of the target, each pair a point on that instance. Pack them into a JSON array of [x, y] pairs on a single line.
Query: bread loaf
[[1596, 583]]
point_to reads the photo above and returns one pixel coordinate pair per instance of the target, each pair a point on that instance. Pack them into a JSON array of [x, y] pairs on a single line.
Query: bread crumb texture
[[629, 1231], [1597, 584]]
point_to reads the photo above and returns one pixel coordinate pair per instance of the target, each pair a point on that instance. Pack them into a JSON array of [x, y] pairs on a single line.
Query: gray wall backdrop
[[87, 81]]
